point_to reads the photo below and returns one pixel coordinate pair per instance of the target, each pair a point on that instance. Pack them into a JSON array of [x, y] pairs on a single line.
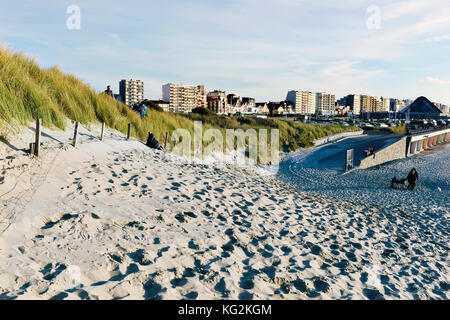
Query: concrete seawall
[[405, 147], [395, 151], [337, 136]]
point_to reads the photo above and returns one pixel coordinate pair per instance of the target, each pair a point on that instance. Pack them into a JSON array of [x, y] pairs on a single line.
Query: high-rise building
[[304, 102], [385, 105], [183, 98], [354, 102], [201, 96], [325, 103], [397, 105], [131, 91], [217, 102], [370, 103]]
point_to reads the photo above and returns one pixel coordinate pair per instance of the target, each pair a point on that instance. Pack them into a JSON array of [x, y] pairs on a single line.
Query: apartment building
[[354, 102], [397, 105], [304, 102], [183, 98], [370, 103], [201, 96], [217, 102], [325, 103], [131, 91], [385, 105]]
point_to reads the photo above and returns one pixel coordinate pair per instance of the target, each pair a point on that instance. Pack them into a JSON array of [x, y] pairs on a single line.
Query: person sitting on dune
[[397, 182]]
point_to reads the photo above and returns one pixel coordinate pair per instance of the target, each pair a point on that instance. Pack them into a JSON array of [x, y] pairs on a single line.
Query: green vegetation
[[150, 105], [202, 111], [292, 134], [28, 92], [396, 129]]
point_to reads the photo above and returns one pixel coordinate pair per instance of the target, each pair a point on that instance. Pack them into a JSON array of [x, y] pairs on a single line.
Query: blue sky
[[257, 48]]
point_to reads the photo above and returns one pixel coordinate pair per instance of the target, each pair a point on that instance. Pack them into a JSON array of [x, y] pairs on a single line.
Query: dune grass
[[293, 134], [28, 92]]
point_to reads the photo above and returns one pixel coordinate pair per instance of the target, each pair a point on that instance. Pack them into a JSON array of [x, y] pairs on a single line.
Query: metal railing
[[425, 130]]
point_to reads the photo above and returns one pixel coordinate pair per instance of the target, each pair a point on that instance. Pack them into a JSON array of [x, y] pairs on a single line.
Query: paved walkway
[[332, 156]]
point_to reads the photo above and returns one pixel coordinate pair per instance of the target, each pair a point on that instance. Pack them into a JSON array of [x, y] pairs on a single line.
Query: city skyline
[[230, 46]]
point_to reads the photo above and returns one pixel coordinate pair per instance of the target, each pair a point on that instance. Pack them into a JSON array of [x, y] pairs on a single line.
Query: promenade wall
[[337, 136], [406, 147]]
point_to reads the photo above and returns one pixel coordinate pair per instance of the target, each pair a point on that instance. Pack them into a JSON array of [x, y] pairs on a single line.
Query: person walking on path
[[413, 176], [143, 111]]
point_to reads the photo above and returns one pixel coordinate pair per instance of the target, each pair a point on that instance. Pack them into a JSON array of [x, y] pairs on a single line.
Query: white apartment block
[[131, 91], [354, 102], [304, 102], [385, 105], [183, 98], [325, 103]]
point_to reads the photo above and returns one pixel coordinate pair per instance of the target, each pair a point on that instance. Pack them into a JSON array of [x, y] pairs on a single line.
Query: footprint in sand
[[191, 295], [222, 288], [245, 296], [247, 280], [178, 282], [60, 296], [153, 290], [373, 294], [193, 245]]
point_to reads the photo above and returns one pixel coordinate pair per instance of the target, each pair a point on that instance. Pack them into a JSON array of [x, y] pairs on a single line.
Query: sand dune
[[116, 220]]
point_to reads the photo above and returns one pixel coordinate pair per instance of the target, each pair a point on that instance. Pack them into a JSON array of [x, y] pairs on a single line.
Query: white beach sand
[[116, 220]]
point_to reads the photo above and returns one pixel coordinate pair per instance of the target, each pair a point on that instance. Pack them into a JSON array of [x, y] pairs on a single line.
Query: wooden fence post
[[165, 141], [75, 134], [38, 137], [129, 131], [103, 131], [32, 148]]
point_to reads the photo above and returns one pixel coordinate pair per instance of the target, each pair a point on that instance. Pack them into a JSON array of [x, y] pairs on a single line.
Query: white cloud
[[444, 37], [435, 80], [403, 8]]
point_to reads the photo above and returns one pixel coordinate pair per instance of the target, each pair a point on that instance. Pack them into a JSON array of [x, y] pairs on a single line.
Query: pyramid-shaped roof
[[422, 105]]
